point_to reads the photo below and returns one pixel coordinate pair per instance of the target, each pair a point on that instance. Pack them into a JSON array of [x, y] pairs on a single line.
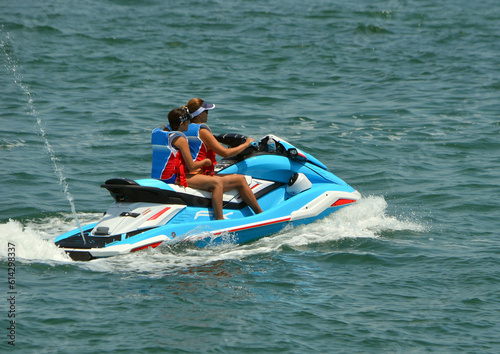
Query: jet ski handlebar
[[234, 139], [231, 139], [278, 147]]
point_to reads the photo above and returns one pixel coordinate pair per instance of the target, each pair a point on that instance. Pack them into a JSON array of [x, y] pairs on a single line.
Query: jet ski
[[292, 187]]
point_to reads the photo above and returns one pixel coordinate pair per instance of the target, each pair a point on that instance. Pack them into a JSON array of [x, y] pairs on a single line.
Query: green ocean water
[[400, 99]]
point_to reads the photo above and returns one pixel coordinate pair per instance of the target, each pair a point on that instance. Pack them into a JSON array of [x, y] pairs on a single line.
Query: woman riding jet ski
[[174, 161], [291, 187]]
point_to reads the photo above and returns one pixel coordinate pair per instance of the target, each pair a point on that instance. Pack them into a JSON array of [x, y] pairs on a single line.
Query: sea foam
[[367, 218], [29, 243]]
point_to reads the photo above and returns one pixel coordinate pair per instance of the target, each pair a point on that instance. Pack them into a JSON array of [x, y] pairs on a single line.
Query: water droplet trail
[[11, 65]]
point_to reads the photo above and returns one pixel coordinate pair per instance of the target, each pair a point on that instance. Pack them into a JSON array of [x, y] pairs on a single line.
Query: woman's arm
[[183, 145], [212, 143]]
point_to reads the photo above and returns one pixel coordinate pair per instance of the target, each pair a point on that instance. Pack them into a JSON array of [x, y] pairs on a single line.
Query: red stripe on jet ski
[[254, 226], [157, 215], [342, 202], [153, 245]]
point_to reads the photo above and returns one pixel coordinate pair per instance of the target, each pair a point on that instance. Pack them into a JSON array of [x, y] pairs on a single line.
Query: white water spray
[[11, 66]]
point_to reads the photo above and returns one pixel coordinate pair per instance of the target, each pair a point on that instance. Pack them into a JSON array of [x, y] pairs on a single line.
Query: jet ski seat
[[129, 191]]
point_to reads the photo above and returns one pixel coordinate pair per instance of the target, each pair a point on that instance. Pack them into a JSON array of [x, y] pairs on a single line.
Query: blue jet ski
[[291, 186]]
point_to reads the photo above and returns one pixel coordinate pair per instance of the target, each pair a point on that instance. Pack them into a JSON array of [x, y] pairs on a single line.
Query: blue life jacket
[[193, 137], [196, 145], [199, 151], [166, 159]]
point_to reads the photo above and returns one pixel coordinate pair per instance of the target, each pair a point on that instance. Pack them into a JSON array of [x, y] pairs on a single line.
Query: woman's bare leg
[[211, 184], [239, 183], [220, 184]]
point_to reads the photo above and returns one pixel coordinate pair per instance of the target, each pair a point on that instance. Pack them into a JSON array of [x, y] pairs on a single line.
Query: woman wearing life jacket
[[171, 155], [199, 110], [196, 177]]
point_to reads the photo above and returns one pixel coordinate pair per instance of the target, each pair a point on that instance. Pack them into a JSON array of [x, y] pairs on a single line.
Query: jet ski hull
[[291, 191]]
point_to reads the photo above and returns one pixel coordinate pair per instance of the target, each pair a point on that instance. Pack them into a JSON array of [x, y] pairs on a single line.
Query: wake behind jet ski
[[291, 186]]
